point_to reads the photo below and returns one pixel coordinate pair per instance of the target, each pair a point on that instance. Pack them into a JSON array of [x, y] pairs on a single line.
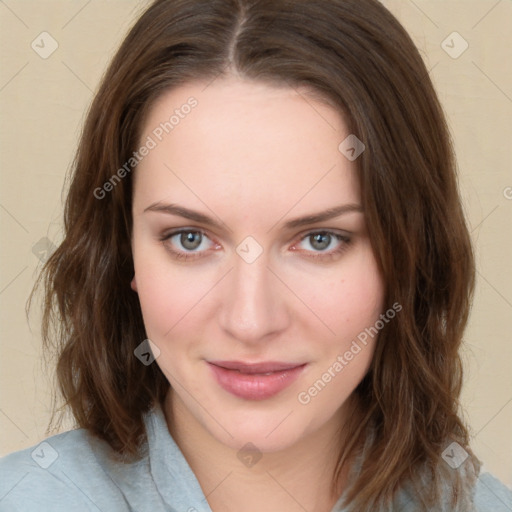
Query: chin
[[261, 440], [270, 430]]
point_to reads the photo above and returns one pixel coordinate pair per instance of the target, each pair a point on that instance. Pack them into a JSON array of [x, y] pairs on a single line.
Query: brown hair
[[358, 57]]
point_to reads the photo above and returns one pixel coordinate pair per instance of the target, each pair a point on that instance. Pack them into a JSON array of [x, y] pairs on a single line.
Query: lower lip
[[255, 386]]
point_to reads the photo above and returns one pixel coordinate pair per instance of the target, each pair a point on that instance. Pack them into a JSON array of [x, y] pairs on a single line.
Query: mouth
[[255, 381]]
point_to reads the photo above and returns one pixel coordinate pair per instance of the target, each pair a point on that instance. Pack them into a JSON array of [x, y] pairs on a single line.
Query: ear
[[133, 284]]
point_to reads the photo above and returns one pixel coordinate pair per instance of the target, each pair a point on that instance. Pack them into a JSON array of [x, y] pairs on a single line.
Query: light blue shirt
[[76, 472]]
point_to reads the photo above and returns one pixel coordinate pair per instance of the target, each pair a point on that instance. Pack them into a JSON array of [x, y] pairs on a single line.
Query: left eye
[[323, 241]]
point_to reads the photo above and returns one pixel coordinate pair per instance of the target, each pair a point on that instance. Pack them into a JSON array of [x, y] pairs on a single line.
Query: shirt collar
[[174, 478]]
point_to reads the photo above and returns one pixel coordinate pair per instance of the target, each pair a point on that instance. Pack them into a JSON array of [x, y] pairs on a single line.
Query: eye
[[325, 244], [186, 243]]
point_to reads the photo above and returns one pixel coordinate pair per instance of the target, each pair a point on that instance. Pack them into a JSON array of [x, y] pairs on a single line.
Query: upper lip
[[263, 367]]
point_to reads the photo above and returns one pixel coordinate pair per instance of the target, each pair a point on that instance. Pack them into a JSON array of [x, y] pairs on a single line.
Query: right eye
[[186, 244]]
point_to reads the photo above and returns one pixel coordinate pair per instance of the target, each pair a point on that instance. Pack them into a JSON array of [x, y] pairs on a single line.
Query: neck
[[297, 478]]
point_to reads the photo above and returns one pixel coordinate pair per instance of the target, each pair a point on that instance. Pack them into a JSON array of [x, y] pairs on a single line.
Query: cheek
[[350, 298], [175, 299], [156, 301], [163, 290], [165, 299], [168, 305], [351, 309]]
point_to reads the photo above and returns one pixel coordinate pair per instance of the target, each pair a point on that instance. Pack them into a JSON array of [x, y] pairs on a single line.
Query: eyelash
[[326, 256]]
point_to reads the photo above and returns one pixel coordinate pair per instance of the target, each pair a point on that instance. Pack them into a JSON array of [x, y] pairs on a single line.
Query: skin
[[253, 157]]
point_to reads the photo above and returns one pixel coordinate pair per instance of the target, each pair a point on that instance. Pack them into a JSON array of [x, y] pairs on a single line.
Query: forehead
[[235, 139]]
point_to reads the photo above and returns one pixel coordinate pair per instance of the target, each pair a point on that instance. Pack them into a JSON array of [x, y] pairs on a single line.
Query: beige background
[[43, 103]]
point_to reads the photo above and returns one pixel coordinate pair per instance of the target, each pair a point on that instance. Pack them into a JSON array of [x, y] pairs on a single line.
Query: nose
[[253, 307]]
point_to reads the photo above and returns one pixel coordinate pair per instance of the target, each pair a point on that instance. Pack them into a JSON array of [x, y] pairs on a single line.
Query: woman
[[265, 276]]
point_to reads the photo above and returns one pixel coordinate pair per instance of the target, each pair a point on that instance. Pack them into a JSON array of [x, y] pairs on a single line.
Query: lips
[[251, 369], [255, 381]]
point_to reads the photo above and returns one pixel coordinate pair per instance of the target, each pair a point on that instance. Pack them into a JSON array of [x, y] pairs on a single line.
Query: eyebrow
[[181, 211]]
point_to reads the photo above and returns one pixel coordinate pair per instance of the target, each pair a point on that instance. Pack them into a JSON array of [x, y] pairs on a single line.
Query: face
[[255, 304]]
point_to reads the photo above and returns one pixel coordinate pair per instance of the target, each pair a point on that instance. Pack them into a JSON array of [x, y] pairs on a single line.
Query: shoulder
[[479, 492], [491, 494], [68, 471], [30, 479]]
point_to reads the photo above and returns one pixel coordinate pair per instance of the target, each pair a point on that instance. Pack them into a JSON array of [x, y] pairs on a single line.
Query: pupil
[[324, 240], [187, 240]]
